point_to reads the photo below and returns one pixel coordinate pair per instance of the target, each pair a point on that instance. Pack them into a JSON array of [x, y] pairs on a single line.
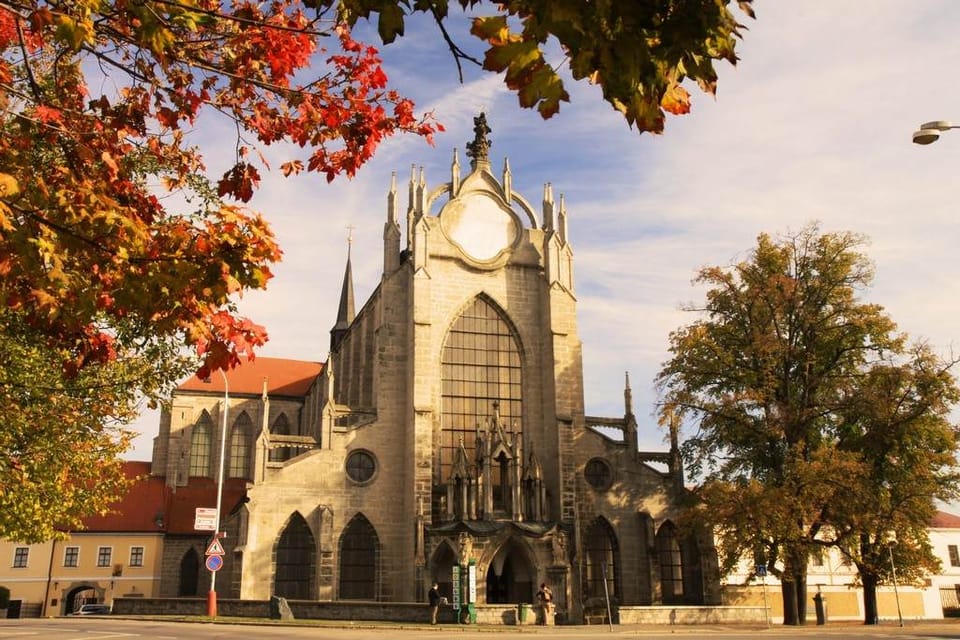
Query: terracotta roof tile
[[137, 510], [944, 520], [284, 378]]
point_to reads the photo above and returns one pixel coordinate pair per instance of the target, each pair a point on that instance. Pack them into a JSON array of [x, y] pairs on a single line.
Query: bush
[[4, 597]]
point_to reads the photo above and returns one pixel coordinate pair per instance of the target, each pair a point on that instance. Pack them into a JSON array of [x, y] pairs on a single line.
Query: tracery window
[[295, 560], [600, 551], [480, 365], [281, 427], [671, 564], [359, 546], [240, 447], [200, 446]]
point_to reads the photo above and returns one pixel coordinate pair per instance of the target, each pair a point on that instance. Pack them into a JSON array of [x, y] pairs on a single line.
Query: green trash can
[[524, 613]]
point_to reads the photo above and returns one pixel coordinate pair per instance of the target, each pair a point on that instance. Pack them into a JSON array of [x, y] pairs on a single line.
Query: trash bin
[[524, 613], [820, 606]]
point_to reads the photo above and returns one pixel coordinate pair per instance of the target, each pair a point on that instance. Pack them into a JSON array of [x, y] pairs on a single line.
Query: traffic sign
[[205, 519], [214, 563], [215, 548]]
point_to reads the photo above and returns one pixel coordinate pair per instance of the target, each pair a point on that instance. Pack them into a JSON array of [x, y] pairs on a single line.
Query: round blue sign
[[214, 563]]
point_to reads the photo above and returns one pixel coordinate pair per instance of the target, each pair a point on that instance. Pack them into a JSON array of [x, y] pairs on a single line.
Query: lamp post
[[893, 570], [212, 594], [929, 132]]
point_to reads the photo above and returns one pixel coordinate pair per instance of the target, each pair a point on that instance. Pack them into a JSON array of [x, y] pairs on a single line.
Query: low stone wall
[[412, 612], [691, 615]]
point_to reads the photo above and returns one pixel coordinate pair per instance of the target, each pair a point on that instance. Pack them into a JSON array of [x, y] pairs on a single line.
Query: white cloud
[[813, 124]]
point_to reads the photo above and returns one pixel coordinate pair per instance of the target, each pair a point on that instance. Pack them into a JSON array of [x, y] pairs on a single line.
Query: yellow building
[[116, 555]]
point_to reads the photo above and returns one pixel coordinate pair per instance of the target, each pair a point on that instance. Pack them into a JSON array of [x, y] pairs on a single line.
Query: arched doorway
[[295, 561], [78, 596], [441, 569], [510, 576], [189, 574]]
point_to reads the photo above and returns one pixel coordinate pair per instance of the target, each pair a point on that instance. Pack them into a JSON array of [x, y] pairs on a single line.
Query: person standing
[[434, 598], [545, 600]]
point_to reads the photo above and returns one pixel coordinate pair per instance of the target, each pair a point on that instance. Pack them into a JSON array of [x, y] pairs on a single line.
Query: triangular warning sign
[[215, 548]]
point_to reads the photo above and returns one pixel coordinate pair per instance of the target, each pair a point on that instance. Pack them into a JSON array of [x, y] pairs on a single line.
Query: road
[[108, 628]]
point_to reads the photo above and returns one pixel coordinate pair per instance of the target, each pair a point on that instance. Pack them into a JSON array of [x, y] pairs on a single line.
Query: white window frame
[[143, 554], [109, 562], [76, 557], [21, 552]]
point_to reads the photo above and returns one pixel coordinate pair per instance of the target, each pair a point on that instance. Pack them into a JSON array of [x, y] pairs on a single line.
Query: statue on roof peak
[[480, 147]]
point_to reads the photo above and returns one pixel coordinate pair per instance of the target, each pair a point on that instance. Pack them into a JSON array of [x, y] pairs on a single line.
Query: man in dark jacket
[[434, 598]]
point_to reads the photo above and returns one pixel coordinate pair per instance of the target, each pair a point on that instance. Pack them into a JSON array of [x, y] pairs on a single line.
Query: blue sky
[[813, 124]]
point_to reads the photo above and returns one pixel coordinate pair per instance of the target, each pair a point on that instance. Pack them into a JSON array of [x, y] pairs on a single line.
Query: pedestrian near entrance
[[434, 598], [545, 600]]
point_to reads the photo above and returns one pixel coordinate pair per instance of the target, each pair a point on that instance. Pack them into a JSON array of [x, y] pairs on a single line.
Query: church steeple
[[345, 313]]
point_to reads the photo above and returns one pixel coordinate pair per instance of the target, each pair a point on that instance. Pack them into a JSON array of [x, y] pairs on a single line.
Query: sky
[[813, 124]]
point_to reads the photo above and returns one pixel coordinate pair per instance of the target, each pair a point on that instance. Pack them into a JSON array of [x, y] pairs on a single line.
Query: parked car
[[92, 610]]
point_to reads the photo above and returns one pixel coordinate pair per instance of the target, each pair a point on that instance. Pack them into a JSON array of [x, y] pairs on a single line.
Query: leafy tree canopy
[[814, 423]]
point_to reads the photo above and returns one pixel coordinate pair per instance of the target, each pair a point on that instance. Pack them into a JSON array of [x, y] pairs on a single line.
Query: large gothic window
[[200, 446], [359, 546], [240, 447], [281, 427], [671, 564], [480, 366], [600, 551], [295, 561]]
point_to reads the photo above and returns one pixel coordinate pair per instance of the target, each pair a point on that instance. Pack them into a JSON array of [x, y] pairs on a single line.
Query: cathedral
[[443, 439]]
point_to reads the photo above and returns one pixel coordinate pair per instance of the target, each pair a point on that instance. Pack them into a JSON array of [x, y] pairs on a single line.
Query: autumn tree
[[772, 379], [895, 418], [99, 272]]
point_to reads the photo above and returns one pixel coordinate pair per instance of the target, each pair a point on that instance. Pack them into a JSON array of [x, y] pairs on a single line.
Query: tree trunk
[[789, 591], [800, 579], [870, 614]]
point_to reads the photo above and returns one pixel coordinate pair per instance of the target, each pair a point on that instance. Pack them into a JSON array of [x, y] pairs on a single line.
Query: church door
[[510, 577], [189, 573]]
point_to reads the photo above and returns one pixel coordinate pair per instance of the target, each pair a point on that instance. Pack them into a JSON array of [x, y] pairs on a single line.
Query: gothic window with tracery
[[481, 365], [200, 446], [601, 554], [240, 447], [671, 564], [359, 547]]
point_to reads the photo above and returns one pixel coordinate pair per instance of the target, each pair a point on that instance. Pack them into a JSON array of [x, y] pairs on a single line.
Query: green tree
[[764, 376]]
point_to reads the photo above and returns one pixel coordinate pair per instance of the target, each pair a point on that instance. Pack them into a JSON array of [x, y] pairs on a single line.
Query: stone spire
[[391, 230], [345, 313], [479, 149]]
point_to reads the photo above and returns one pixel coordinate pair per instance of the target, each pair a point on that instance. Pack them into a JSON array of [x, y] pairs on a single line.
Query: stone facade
[[446, 430]]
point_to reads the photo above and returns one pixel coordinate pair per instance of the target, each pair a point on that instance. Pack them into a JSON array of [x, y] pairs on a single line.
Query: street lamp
[[212, 595], [929, 132]]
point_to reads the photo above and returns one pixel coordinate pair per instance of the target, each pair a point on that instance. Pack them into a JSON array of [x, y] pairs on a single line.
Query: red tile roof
[[284, 378], [944, 520], [201, 492], [137, 510]]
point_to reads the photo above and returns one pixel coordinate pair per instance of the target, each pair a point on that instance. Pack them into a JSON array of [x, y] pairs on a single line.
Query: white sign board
[[205, 519]]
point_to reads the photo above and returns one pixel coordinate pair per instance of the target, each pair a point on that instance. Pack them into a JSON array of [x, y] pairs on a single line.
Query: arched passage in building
[[295, 561], [602, 558], [510, 575], [441, 569], [80, 595], [189, 574], [359, 557]]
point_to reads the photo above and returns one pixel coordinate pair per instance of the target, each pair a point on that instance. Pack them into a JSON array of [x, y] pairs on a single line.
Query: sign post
[[762, 572]]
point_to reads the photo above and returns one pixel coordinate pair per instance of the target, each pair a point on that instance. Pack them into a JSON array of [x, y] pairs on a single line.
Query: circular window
[[598, 473], [361, 466]]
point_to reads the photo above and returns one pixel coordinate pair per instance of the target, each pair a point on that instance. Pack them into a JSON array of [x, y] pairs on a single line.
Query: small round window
[[361, 466], [598, 473]]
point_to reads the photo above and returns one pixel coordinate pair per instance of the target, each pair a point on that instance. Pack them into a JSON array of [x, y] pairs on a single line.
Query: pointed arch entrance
[[295, 564], [510, 575], [189, 574], [441, 569]]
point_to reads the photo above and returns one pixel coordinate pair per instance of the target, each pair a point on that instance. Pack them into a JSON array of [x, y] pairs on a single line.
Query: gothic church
[[445, 429]]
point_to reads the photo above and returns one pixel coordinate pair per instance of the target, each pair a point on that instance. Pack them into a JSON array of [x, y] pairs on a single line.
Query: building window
[[240, 447], [602, 557], [598, 474], [200, 442], [358, 560], [136, 556], [954, 555], [671, 564], [281, 427], [480, 366], [20, 557], [71, 557], [104, 555], [296, 554], [361, 466]]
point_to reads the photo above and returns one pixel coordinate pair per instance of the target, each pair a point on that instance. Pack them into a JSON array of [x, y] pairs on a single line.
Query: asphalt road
[[108, 628]]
